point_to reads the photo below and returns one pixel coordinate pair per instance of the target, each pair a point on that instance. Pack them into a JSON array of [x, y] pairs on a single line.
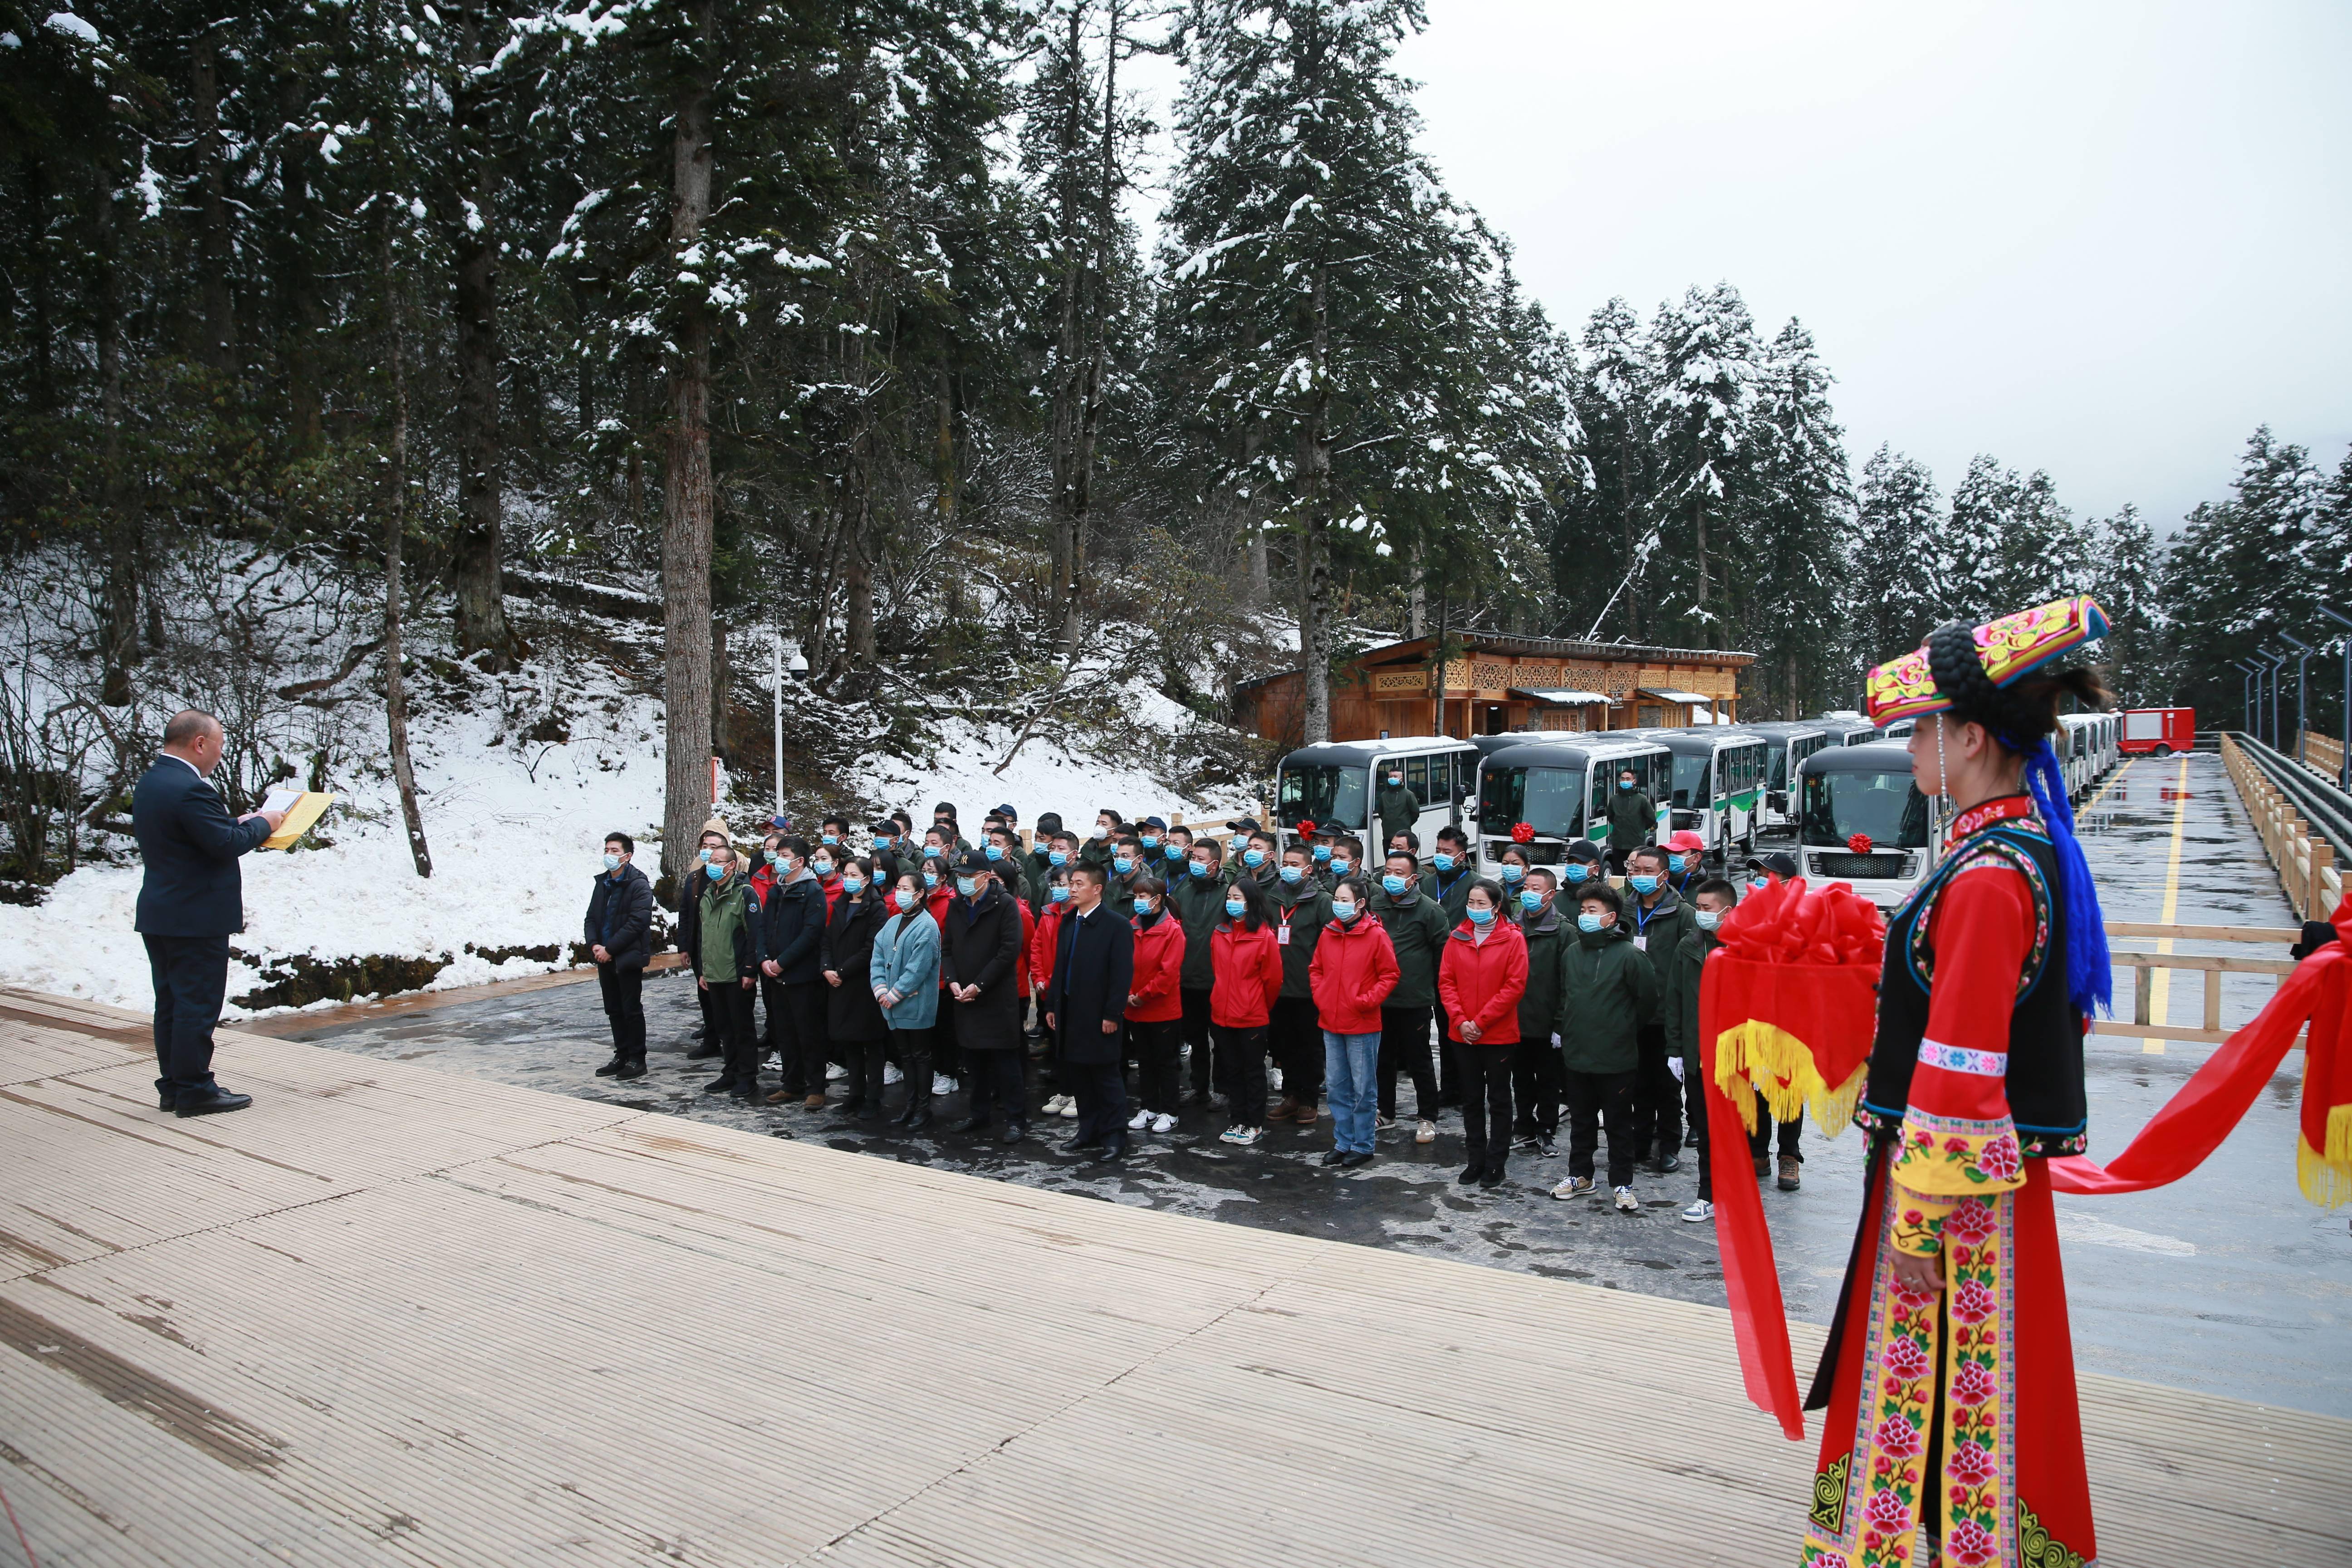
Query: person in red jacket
[[1155, 1008], [1354, 970], [1246, 967], [1480, 981], [947, 1061]]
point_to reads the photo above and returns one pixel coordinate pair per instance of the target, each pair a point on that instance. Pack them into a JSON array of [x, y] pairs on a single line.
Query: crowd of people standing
[[1133, 956]]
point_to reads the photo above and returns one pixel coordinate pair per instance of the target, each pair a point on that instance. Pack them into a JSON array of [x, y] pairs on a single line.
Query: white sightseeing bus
[[1718, 784], [1790, 743], [1336, 784], [1560, 788], [1865, 793]]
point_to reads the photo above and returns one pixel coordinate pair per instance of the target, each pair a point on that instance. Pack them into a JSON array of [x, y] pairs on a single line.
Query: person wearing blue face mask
[[1633, 818], [1001, 845], [834, 832], [619, 934], [1258, 861], [726, 966], [791, 984], [1295, 1033], [1245, 958], [1197, 897], [1710, 901], [1416, 928], [981, 959], [1347, 859], [1480, 983], [1150, 835], [1686, 862], [1511, 870], [1536, 1082], [854, 1019], [888, 864], [905, 977], [1449, 882], [1659, 920], [1608, 994], [1173, 848], [689, 889], [1039, 860], [1583, 866], [1354, 970], [1155, 1005]]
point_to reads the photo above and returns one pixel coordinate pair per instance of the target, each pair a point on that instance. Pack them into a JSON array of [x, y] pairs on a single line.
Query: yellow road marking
[[2160, 987]]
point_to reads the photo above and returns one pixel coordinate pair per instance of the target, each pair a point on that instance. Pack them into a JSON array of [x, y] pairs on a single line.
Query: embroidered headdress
[[1979, 677]]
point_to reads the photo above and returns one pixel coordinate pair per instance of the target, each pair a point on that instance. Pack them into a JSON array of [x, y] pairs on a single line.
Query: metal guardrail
[[2305, 823]]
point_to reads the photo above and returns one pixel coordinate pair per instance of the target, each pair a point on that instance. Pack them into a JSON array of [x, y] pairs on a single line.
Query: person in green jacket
[[1260, 861], [1417, 929], [1295, 1034], [727, 965], [1397, 807], [1037, 862], [1197, 895], [1659, 920], [1096, 851], [1633, 818], [1608, 994], [1536, 1081], [1711, 900]]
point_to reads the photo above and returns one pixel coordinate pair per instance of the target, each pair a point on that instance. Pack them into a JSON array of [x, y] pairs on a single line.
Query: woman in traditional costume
[[1949, 1373]]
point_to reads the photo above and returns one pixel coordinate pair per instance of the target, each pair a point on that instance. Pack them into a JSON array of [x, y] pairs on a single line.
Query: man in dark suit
[[619, 934], [190, 900], [1085, 1010]]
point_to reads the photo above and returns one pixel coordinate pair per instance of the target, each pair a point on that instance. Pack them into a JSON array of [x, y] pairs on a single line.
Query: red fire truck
[[2159, 731]]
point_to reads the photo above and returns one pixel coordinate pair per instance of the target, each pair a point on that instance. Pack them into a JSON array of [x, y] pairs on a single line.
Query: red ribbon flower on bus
[[1859, 843], [1523, 832], [1305, 829]]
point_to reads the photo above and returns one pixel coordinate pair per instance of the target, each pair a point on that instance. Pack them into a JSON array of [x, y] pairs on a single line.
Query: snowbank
[[516, 828]]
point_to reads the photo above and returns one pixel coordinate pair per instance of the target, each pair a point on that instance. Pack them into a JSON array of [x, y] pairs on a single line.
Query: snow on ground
[[516, 829]]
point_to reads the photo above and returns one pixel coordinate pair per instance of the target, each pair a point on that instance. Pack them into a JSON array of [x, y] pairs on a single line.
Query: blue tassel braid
[[2090, 981]]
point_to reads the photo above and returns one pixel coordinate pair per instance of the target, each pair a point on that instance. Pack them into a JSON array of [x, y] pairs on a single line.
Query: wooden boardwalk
[[390, 1315]]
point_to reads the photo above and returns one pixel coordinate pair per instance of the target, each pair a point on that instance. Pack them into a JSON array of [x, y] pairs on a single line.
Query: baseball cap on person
[[1780, 863], [1686, 843], [1007, 813], [1049, 823], [1154, 823], [1244, 825], [1586, 850], [971, 862]]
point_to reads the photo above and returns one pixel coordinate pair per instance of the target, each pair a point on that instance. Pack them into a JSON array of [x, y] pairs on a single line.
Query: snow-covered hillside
[[519, 784]]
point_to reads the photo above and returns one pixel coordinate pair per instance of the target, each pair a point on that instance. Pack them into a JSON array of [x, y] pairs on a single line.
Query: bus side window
[[1416, 777]]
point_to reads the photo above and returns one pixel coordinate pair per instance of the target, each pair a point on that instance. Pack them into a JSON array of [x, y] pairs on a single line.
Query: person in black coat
[[792, 979], [619, 931], [191, 898], [1085, 1010], [853, 1018], [980, 958]]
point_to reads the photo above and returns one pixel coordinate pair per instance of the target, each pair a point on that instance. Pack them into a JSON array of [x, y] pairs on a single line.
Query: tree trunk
[[476, 551], [722, 674], [1261, 576], [300, 316], [1314, 552], [1711, 628], [396, 681], [118, 572], [687, 485], [218, 312], [1416, 605], [948, 487]]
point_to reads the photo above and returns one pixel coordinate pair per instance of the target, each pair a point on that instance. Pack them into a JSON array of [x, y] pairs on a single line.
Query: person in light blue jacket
[[906, 979]]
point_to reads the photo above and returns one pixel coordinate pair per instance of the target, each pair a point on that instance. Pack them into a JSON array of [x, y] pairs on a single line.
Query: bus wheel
[[2164, 751]]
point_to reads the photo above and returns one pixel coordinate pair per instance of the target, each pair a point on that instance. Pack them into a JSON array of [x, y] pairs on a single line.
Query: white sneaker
[[1427, 1133], [1069, 1108], [1165, 1123], [1245, 1136], [835, 1073], [1699, 1212], [1230, 1135], [1053, 1106], [890, 1073], [1624, 1200], [1138, 1121], [1574, 1187], [943, 1084]]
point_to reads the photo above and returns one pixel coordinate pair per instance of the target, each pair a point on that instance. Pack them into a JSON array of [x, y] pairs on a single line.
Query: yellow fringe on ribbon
[[2326, 1175], [1766, 1054]]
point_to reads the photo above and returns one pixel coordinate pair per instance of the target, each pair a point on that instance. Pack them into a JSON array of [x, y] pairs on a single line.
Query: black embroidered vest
[[2044, 1083]]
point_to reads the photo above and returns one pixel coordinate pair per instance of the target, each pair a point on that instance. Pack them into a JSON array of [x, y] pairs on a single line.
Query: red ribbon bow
[[1523, 832], [1859, 843], [1307, 828]]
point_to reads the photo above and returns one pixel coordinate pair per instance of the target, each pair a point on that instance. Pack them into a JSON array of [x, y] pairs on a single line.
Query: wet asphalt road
[[2228, 1281]]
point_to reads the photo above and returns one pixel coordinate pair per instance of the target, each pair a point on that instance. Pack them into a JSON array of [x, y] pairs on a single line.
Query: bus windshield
[[1323, 794], [1691, 791], [1549, 800], [1888, 807]]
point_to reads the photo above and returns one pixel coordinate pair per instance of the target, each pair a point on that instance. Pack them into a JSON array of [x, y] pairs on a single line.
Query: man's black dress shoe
[[209, 1100]]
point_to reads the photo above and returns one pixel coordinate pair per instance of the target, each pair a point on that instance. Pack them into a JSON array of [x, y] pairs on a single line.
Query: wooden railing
[[2213, 966], [2325, 753], [2307, 871]]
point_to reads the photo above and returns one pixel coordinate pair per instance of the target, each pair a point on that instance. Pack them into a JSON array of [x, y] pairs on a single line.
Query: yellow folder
[[302, 808]]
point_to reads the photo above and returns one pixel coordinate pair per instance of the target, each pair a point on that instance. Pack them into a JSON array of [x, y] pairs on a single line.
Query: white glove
[[1675, 1066], [1555, 1042]]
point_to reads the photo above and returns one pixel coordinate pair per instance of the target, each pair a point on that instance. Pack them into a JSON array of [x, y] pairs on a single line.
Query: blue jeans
[[1351, 1067]]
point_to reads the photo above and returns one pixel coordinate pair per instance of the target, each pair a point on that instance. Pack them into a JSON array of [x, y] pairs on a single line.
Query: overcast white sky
[[2106, 240]]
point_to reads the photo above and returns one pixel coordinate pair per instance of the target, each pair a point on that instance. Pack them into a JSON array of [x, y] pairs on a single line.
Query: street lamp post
[[2278, 663], [798, 664], [2246, 692], [2343, 780], [2302, 690]]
